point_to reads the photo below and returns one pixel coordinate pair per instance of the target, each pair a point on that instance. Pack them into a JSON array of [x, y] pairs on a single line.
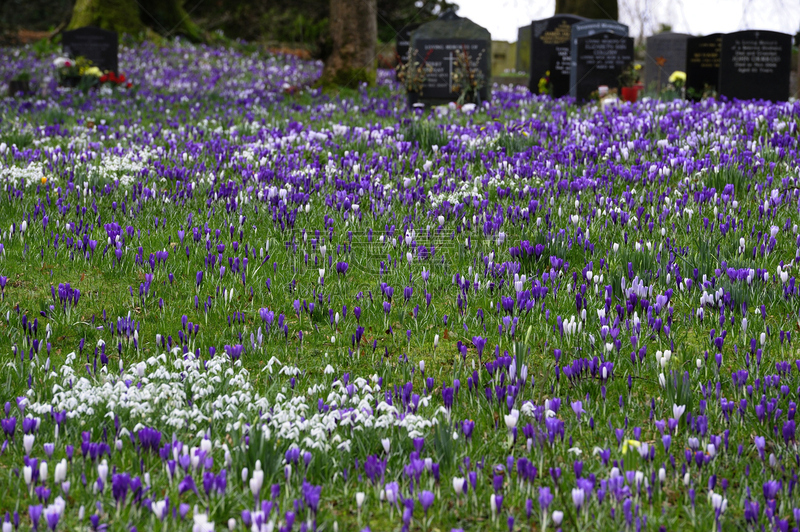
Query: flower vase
[[629, 94]]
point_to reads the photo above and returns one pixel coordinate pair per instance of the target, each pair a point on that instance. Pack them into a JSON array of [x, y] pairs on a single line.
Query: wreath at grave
[[81, 73]]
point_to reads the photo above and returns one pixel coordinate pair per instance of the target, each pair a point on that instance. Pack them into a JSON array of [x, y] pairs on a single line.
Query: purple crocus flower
[[545, 498], [35, 513], [426, 500]]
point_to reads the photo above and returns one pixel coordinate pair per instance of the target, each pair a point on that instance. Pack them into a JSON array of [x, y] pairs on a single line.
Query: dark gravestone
[[586, 29], [523, 49], [666, 53], [550, 51], [437, 43], [755, 65], [97, 45], [600, 61], [404, 43], [702, 64]]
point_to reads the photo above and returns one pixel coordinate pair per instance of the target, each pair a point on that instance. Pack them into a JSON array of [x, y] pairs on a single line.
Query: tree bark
[[166, 17], [354, 32], [596, 9]]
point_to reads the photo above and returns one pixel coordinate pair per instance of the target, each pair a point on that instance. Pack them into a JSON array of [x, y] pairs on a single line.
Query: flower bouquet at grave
[[674, 89], [630, 75], [628, 80], [78, 72], [412, 74], [545, 86], [709, 91], [114, 81], [467, 78]]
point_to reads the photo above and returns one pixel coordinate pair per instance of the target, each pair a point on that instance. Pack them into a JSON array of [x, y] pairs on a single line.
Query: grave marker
[[666, 53], [600, 61], [702, 64], [95, 44], [550, 51], [585, 29], [755, 64]]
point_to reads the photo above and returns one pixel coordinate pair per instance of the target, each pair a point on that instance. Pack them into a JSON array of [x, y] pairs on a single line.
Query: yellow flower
[[93, 71], [677, 76], [632, 443], [637, 67], [44, 180]]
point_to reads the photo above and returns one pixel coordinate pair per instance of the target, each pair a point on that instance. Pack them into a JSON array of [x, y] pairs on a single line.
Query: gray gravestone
[[437, 43], [523, 49], [755, 65], [702, 65], [97, 45], [550, 51], [585, 29], [666, 53], [600, 60]]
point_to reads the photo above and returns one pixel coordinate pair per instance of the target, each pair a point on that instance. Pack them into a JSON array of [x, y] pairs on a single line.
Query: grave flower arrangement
[[467, 77], [78, 72], [111, 79], [545, 86], [412, 74], [630, 75], [678, 79]]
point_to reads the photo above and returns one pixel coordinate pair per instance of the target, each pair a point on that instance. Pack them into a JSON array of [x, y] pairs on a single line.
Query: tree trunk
[[166, 17], [354, 32], [121, 16], [596, 9]]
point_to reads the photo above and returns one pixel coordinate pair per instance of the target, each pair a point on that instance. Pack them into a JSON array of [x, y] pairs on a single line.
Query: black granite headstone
[[440, 54], [404, 43], [601, 59], [95, 44], [666, 53], [702, 64], [523, 49], [586, 29], [550, 51], [437, 43], [755, 65]]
